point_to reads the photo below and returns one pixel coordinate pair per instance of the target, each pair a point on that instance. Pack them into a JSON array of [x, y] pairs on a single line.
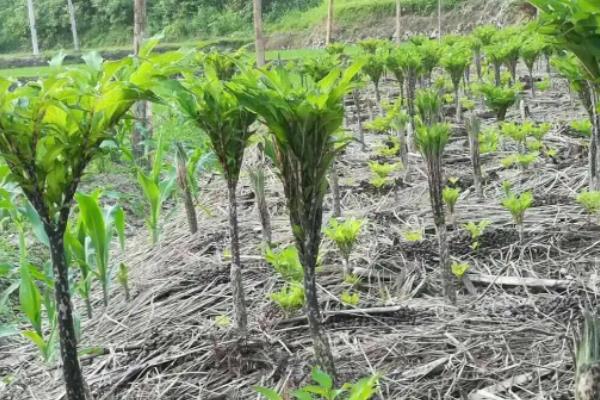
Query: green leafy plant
[[543, 85], [412, 235], [100, 226], [450, 196], [431, 141], [476, 230], [350, 299], [344, 235], [323, 389], [290, 297], [123, 279], [304, 117], [517, 206], [389, 148], [223, 321], [460, 269], [156, 191], [582, 126], [286, 263], [429, 106], [382, 172], [49, 133], [219, 113], [488, 141], [455, 61], [498, 99], [530, 51], [590, 200]]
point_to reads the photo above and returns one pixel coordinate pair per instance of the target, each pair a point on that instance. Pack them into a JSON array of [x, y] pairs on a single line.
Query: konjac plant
[[431, 141], [218, 113], [304, 117], [456, 60], [574, 25], [50, 131]]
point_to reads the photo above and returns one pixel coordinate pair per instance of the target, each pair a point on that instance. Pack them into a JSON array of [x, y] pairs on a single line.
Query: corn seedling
[[304, 117], [476, 230], [517, 206], [450, 196], [587, 373], [156, 190], [100, 226], [323, 389], [344, 235], [290, 298], [350, 299], [590, 201], [431, 141]]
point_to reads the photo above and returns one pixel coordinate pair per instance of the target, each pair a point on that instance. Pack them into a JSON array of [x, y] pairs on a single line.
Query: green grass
[[27, 72], [351, 12]]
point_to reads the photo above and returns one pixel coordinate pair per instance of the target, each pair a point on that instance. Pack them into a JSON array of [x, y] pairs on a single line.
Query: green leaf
[[30, 299], [267, 393]]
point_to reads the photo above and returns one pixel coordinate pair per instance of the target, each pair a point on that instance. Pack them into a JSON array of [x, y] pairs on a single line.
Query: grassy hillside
[[350, 12]]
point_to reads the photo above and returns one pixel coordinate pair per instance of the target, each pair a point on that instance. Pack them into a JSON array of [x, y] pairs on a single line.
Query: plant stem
[[473, 127], [75, 389], [357, 112], [335, 191], [237, 288]]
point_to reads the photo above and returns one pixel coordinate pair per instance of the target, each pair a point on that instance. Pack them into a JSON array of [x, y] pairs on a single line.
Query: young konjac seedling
[[517, 206], [450, 196], [323, 388], [290, 297], [476, 230], [344, 235], [350, 299], [455, 61], [382, 172], [590, 200]]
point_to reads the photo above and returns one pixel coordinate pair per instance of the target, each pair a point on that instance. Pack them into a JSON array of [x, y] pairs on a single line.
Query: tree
[[329, 34], [73, 20], [258, 33], [49, 132], [304, 117], [32, 28], [219, 114]]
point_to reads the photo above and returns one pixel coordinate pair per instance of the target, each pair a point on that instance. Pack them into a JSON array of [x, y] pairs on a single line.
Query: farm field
[[413, 220]]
